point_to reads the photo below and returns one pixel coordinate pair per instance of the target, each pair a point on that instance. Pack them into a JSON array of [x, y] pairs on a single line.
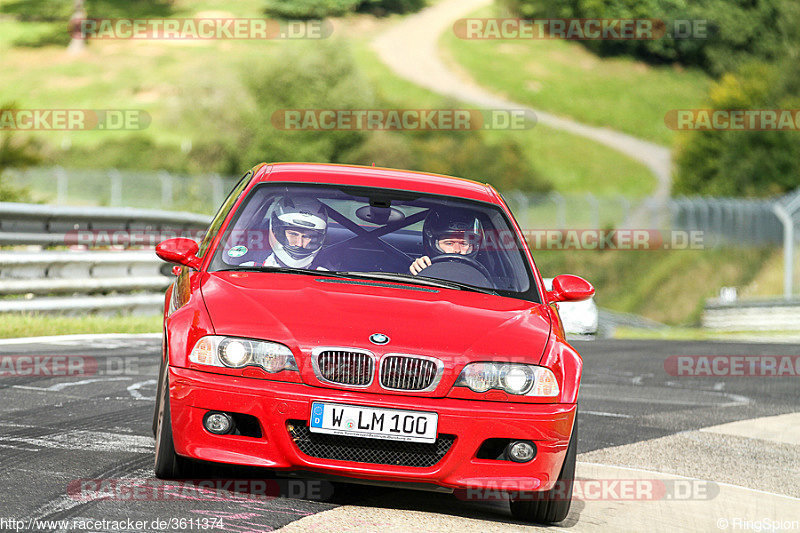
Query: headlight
[[516, 379], [480, 377], [233, 352], [513, 378]]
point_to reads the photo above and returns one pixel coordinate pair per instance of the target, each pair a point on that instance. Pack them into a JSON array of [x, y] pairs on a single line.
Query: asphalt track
[[69, 445]]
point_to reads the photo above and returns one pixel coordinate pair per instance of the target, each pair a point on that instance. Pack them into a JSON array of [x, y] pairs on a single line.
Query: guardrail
[[752, 315], [86, 281], [47, 225]]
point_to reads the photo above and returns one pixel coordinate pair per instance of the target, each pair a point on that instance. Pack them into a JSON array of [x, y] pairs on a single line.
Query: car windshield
[[378, 233]]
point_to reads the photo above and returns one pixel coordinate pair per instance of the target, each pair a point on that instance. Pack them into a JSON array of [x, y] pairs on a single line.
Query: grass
[[35, 325], [699, 334], [573, 164], [669, 286], [164, 77], [565, 78]]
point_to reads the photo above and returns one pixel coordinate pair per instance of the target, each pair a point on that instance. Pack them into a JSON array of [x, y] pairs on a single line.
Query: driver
[[297, 229], [448, 231]]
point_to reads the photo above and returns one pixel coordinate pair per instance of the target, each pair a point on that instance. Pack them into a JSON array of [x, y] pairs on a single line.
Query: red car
[[382, 325]]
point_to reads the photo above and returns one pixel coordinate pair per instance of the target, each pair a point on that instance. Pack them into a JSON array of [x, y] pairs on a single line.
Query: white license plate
[[373, 422]]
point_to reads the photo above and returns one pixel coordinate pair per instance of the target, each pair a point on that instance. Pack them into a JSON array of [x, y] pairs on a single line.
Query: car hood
[[306, 312]]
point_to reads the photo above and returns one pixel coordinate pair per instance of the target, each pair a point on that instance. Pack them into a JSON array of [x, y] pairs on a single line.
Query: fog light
[[521, 451], [218, 423]]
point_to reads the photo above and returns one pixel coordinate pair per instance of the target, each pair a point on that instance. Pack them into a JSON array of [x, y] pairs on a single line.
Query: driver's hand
[[417, 266]]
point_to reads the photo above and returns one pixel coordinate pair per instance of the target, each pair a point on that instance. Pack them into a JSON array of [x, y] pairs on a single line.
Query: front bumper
[[273, 403]]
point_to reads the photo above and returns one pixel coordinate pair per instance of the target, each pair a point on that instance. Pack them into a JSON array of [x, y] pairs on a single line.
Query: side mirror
[[179, 250], [569, 288]]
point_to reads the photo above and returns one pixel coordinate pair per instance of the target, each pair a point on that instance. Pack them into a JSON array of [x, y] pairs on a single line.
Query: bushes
[[318, 75], [462, 154], [750, 163], [738, 30], [15, 153], [314, 9], [310, 9], [56, 13], [384, 7], [324, 76]]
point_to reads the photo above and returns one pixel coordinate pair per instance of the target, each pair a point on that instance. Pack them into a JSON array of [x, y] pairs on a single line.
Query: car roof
[[377, 177]]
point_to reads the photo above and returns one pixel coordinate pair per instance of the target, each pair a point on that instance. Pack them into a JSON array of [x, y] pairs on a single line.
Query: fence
[[88, 281], [723, 221], [55, 185]]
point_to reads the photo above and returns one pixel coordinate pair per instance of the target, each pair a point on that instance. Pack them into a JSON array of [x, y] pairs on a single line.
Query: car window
[[222, 213], [372, 230]]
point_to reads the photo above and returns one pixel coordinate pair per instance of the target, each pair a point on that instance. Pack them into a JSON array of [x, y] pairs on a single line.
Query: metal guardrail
[[81, 272], [91, 281], [47, 225], [611, 319], [752, 315]]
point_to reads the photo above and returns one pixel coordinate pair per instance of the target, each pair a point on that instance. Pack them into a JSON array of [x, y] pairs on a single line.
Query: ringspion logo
[[73, 119]]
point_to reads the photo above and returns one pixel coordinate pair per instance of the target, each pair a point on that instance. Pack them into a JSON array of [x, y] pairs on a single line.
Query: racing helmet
[[303, 213], [450, 223]]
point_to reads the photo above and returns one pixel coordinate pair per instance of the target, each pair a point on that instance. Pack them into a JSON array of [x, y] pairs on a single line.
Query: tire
[[168, 464], [161, 370], [552, 506]]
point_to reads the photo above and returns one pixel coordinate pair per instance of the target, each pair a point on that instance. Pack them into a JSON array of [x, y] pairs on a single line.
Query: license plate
[[373, 422]]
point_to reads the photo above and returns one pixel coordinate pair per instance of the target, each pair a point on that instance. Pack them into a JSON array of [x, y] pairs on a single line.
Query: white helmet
[[304, 214]]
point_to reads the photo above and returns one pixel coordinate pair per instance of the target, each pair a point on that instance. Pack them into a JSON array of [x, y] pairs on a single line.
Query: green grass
[[565, 78], [669, 286], [36, 325], [571, 163], [698, 334], [168, 79]]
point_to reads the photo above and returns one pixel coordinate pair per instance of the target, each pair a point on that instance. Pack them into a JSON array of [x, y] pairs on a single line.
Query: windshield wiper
[[282, 270], [389, 276], [419, 280]]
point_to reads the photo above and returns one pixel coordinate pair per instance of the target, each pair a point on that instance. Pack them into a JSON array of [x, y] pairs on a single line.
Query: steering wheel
[[465, 260]]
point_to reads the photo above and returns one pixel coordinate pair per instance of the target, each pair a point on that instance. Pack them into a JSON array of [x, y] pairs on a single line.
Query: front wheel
[[551, 506], [168, 464]]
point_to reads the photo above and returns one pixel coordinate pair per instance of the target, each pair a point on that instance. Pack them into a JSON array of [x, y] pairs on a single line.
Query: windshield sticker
[[237, 251]]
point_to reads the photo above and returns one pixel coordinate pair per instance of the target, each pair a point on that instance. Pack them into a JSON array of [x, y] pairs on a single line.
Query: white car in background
[[579, 318]]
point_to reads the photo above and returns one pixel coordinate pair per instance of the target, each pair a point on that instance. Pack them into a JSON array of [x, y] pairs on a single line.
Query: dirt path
[[410, 48]]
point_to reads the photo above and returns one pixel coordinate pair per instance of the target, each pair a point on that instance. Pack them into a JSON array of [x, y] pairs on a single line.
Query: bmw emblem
[[378, 338]]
